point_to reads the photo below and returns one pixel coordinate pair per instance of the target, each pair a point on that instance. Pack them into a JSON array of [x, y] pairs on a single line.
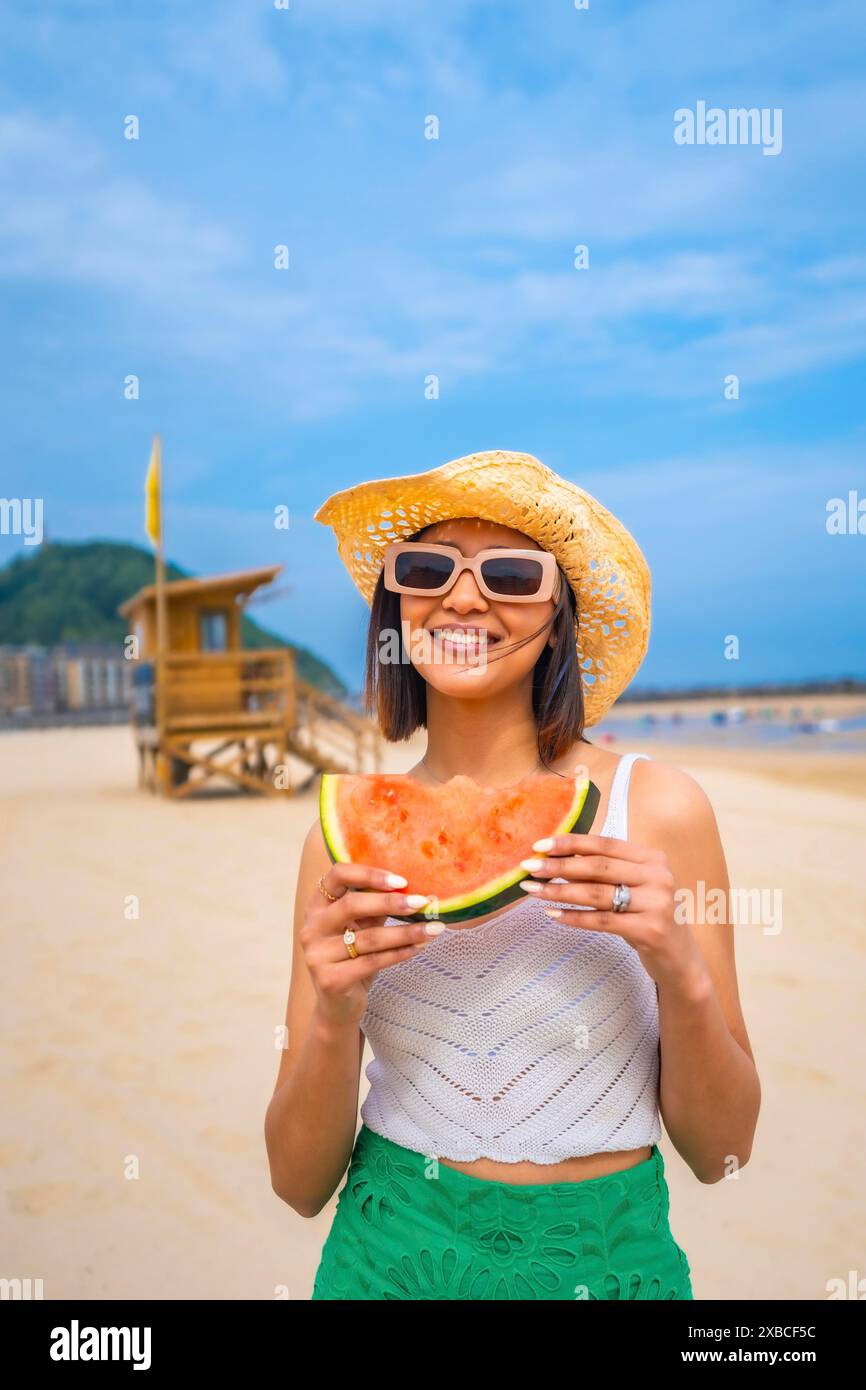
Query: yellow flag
[[152, 491]]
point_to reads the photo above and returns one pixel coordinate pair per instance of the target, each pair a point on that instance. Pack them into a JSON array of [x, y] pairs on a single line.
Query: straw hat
[[606, 568]]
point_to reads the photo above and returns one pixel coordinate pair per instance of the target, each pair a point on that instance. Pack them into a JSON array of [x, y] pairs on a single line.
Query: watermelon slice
[[460, 843]]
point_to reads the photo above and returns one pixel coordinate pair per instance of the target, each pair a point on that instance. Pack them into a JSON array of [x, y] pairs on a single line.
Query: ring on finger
[[349, 939], [621, 898], [323, 889]]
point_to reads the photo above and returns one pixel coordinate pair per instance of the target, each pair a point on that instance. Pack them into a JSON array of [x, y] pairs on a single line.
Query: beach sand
[[147, 949]]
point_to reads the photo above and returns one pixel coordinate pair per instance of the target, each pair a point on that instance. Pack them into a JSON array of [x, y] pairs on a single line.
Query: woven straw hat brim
[[603, 562]]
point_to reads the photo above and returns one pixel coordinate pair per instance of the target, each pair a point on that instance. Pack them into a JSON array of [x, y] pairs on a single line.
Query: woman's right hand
[[341, 981]]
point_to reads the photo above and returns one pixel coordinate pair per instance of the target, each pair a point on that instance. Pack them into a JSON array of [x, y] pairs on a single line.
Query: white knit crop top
[[518, 1039]]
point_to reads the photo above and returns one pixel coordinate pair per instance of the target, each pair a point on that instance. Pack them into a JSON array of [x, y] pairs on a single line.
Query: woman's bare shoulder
[[667, 797], [601, 762]]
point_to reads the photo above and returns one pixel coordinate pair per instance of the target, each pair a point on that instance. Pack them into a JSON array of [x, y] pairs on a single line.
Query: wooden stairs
[[330, 736]]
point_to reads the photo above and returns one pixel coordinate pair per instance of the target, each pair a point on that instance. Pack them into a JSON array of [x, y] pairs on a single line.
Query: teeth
[[466, 639]]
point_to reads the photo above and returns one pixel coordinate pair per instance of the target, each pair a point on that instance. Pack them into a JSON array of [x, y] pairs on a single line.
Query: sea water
[[810, 732]]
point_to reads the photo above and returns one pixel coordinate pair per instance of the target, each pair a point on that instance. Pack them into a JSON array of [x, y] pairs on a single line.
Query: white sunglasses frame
[[473, 563]]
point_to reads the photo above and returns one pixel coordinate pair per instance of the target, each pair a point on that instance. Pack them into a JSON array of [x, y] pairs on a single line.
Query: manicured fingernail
[[416, 899], [533, 865], [553, 912], [396, 880], [529, 886], [543, 845], [434, 928]]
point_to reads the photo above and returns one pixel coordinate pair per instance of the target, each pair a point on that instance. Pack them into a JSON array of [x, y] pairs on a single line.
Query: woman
[[521, 1061]]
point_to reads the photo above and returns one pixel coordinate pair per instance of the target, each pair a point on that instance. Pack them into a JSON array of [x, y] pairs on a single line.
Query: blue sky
[[454, 256]]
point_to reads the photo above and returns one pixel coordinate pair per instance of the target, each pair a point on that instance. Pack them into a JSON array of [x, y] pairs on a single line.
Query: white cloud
[[71, 220], [314, 343], [457, 258], [234, 46]]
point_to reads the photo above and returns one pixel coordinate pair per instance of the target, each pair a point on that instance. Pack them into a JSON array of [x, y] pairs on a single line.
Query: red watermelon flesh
[[459, 841]]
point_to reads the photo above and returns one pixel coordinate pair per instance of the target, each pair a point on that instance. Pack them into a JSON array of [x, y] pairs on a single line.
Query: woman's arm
[[710, 1093], [312, 1116], [311, 1120]]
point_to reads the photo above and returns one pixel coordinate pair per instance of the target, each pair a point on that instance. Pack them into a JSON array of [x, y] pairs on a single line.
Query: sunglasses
[[520, 576]]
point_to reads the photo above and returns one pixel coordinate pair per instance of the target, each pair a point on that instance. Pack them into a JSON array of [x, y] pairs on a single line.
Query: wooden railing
[[244, 688], [257, 693], [333, 735]]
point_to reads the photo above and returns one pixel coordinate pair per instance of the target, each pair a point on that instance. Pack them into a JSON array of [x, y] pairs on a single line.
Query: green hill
[[69, 592]]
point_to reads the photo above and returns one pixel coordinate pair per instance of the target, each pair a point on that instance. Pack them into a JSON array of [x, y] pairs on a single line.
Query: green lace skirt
[[407, 1227]]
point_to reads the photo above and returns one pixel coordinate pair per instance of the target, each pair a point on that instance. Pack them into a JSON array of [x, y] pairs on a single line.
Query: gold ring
[[323, 889], [349, 938]]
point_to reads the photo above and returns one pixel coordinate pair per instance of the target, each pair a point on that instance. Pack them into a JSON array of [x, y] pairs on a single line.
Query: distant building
[[93, 676], [24, 680], [74, 676]]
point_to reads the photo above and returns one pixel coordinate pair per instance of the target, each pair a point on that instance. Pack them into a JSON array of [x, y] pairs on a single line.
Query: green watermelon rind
[[488, 897], [337, 851]]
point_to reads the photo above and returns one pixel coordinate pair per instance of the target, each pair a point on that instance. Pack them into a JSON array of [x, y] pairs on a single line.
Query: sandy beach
[[147, 949]]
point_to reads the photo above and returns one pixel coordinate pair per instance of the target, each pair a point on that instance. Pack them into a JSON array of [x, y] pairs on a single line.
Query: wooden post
[[161, 620], [161, 624]]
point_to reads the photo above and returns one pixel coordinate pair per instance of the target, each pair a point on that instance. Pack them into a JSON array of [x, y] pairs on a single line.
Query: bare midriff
[[569, 1170]]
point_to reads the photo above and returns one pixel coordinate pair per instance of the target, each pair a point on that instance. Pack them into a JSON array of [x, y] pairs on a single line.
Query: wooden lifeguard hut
[[205, 707], [210, 708]]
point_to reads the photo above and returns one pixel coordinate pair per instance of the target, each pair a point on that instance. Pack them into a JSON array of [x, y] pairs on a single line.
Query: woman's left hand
[[593, 865]]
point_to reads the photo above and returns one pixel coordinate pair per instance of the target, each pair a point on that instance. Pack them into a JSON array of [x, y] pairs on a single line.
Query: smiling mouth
[[468, 640]]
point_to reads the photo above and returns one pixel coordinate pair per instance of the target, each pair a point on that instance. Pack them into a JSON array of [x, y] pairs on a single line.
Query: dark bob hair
[[396, 694]]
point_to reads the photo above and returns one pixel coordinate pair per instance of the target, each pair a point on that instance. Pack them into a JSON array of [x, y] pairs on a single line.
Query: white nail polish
[[396, 880], [416, 900], [533, 865], [434, 928], [543, 845]]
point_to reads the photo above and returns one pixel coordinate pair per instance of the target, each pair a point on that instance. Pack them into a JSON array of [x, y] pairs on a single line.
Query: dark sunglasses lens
[[424, 569], [512, 577]]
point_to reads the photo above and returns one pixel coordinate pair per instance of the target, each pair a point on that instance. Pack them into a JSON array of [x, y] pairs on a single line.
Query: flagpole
[[161, 615]]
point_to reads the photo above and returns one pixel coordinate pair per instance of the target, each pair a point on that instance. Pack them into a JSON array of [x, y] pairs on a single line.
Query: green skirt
[[407, 1227]]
